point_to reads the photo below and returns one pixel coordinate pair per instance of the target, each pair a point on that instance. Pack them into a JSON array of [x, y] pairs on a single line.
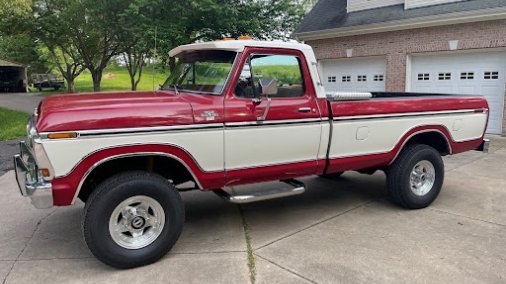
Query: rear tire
[[415, 178], [132, 219]]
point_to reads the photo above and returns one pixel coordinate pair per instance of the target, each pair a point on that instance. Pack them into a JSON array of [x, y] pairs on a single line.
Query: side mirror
[[268, 86]]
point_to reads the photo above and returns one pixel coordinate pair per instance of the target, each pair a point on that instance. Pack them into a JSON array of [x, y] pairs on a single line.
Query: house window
[[494, 75], [362, 78], [379, 78], [332, 79], [467, 75], [445, 76], [423, 77], [346, 78]]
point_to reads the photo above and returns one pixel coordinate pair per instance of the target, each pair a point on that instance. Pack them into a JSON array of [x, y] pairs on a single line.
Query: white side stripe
[[425, 113]]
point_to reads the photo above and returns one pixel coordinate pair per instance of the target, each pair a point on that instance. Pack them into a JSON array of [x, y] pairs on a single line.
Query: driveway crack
[[27, 243], [318, 223], [467, 217], [249, 247], [286, 269]]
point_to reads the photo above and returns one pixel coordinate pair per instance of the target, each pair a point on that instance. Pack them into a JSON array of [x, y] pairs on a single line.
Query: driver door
[[272, 121]]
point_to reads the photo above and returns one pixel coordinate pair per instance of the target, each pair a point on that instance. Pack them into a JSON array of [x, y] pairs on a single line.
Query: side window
[[276, 76]]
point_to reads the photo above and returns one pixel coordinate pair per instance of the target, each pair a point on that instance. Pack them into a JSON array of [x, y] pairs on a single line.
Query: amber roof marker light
[[231, 38]]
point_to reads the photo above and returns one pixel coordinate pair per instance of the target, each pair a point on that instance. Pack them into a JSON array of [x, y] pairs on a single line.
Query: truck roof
[[239, 45]]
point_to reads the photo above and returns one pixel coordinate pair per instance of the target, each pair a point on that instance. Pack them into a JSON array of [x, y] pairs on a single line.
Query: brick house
[[444, 46]]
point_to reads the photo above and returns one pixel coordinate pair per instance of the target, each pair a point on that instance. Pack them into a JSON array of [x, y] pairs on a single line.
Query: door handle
[[305, 109]]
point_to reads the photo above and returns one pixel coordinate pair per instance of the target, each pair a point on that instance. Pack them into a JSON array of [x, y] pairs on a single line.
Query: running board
[[297, 188]]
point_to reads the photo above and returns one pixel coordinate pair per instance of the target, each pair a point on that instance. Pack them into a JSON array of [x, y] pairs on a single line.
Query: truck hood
[[89, 111]]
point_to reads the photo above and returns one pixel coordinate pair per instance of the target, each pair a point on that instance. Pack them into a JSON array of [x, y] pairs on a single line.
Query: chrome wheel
[[422, 178], [136, 222]]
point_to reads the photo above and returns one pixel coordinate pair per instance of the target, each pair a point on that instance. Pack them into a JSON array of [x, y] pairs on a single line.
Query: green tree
[[200, 20], [48, 29], [23, 49], [93, 29], [135, 34], [89, 33], [262, 19], [15, 7], [16, 43]]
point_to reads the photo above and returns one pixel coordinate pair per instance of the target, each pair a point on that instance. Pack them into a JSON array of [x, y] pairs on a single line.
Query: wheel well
[[167, 167], [434, 139]]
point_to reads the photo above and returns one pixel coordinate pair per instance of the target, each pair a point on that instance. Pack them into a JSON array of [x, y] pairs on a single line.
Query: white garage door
[[471, 74], [354, 75]]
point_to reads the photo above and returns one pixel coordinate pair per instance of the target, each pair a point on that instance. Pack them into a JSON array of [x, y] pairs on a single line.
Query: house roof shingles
[[9, 63], [332, 14]]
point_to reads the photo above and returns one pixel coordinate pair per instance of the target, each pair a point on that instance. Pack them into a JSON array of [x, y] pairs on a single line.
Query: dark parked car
[[41, 81]]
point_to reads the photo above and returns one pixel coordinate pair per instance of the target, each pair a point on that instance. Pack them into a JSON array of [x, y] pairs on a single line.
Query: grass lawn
[[12, 124], [115, 79]]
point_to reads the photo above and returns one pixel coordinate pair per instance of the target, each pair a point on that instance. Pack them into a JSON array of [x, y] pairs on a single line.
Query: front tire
[[415, 179], [132, 219]]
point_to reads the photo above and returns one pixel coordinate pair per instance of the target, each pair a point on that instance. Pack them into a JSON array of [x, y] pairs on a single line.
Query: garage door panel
[[481, 73], [445, 89], [354, 75], [467, 90]]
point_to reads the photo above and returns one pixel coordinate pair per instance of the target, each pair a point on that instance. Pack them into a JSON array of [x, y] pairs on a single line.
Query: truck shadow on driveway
[[214, 226]]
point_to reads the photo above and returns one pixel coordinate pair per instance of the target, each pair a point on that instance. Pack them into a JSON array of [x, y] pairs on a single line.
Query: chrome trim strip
[[270, 165], [196, 127], [274, 122], [113, 131], [407, 114], [90, 170]]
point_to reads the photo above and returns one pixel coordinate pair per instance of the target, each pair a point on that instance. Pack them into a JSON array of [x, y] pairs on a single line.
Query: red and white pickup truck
[[231, 113]]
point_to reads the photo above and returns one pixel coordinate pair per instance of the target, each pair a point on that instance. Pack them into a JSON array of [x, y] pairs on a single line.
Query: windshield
[[203, 71]]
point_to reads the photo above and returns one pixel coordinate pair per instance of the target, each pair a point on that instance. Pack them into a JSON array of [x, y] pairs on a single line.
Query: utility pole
[[154, 63]]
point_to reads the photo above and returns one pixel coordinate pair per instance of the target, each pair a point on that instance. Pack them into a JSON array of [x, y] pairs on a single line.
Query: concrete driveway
[[342, 231], [26, 102]]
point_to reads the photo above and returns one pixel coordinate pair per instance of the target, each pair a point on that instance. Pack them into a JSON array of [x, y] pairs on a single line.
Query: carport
[[13, 77]]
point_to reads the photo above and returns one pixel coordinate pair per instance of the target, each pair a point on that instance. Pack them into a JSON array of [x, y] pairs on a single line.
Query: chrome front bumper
[[29, 182]]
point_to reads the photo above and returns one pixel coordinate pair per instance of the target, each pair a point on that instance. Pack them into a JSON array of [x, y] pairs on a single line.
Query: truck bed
[[370, 133], [389, 103]]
